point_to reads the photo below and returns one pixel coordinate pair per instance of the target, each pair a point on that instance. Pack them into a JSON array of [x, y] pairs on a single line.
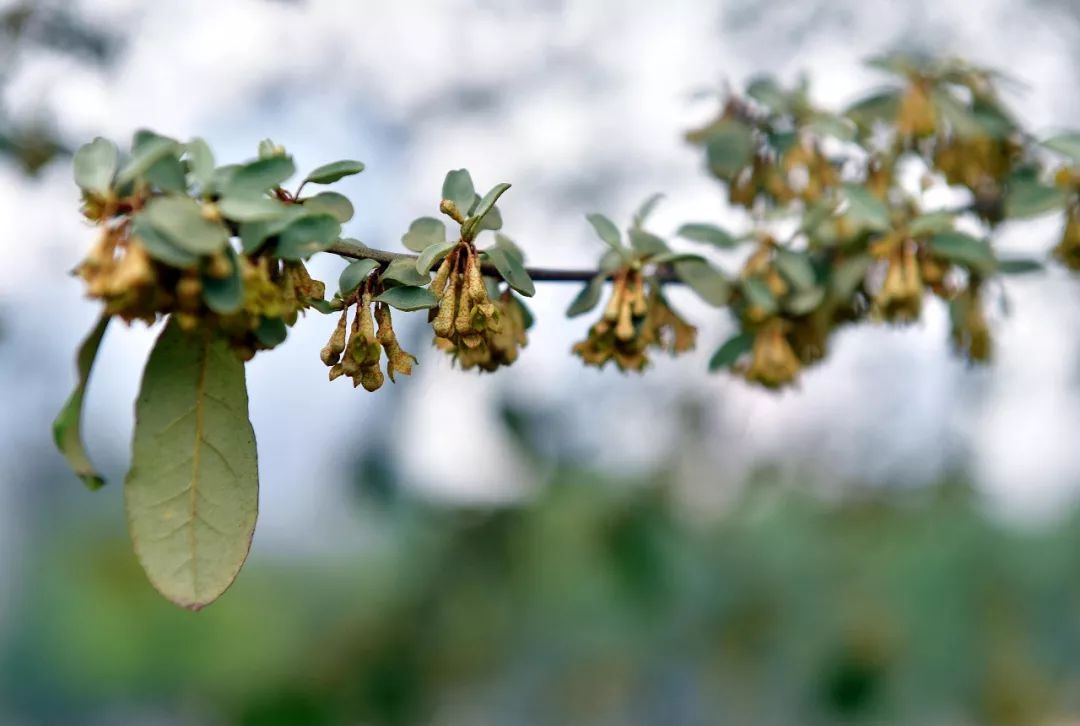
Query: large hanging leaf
[[67, 429], [192, 491]]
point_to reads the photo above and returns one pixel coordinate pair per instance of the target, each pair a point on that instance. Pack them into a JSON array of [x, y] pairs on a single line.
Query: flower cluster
[[358, 354], [479, 328], [634, 321]]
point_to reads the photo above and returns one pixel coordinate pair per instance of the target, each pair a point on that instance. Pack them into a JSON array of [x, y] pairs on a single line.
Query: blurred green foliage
[[602, 601]]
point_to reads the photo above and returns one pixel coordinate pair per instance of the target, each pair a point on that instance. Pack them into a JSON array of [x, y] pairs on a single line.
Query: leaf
[[307, 235], [168, 175], [472, 226], [1019, 266], [192, 491], [587, 298], [805, 301], [733, 348], [224, 295], [408, 298], [180, 220], [704, 279], [95, 166], [458, 188], [335, 170], [488, 201], [668, 257], [930, 223], [956, 114], [432, 254], [159, 247], [729, 148], [147, 151], [758, 294], [504, 242], [254, 234], [492, 220], [67, 427], [865, 209], [965, 250], [353, 274], [511, 270], [827, 124], [646, 242], [257, 177], [200, 162], [423, 233], [612, 260], [606, 230], [252, 209], [402, 271], [271, 331], [332, 203], [1065, 144], [766, 91], [883, 106], [708, 233], [1026, 197], [796, 267], [848, 276], [268, 148], [646, 209]]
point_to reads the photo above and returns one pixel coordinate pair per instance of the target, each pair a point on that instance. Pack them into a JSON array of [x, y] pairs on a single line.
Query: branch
[[538, 274]]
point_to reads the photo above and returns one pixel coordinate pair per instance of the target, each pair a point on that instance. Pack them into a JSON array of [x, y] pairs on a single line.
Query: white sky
[[581, 106]]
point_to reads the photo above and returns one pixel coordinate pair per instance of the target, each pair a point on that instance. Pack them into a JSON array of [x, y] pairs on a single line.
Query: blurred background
[[897, 541]]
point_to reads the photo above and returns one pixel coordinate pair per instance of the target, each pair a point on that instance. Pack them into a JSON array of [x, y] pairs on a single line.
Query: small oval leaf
[[181, 221], [335, 170], [307, 235], [408, 298], [332, 203], [458, 188], [353, 274], [511, 270], [708, 233], [423, 233], [402, 271], [704, 279], [729, 353], [587, 298], [257, 177], [605, 230], [432, 254], [95, 166]]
